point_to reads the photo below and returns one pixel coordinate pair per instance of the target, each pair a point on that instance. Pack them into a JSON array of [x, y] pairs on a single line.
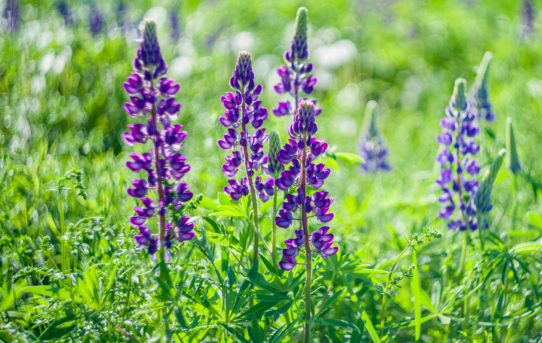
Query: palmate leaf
[[283, 332]]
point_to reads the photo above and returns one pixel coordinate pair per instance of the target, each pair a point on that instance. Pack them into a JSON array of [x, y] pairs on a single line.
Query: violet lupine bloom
[[152, 97], [299, 153], [247, 149], [372, 145], [296, 75], [528, 12], [459, 169], [95, 21], [479, 93], [174, 23], [65, 11], [11, 15]]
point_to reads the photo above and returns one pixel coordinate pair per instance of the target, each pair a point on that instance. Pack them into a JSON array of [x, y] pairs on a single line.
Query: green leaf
[[347, 157], [329, 301], [343, 324], [282, 332], [256, 310], [59, 328], [369, 326], [535, 219], [526, 248]]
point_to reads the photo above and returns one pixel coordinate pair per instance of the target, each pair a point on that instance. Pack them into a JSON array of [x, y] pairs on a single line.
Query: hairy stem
[[161, 215], [308, 256], [250, 182], [387, 289], [274, 239]]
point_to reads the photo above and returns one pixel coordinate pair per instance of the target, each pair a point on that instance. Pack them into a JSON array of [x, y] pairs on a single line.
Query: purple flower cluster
[[243, 108], [152, 93], [372, 146], [299, 153], [458, 166], [296, 75]]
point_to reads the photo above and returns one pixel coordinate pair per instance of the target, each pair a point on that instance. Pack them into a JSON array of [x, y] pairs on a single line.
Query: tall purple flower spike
[[459, 169], [152, 97], [247, 148], [296, 77], [299, 153]]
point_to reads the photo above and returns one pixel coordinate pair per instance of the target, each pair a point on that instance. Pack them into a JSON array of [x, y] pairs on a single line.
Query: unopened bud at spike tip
[[512, 160], [459, 99], [275, 167], [299, 46]]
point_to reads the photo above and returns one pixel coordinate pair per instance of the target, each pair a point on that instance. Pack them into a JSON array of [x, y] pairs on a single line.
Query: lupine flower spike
[[512, 160], [459, 169], [244, 108], [372, 145], [11, 15], [528, 12], [296, 77], [152, 97], [479, 93], [300, 152], [274, 169], [95, 21]]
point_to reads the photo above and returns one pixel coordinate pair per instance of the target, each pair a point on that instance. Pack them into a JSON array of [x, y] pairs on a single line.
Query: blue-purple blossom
[[152, 97], [528, 13], [479, 93], [66, 12], [459, 168], [372, 145], [11, 15], [95, 21], [174, 23], [242, 110], [299, 155], [296, 76]]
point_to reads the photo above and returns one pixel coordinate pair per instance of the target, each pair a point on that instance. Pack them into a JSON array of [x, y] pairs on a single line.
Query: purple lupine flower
[[459, 168], [479, 93], [372, 145], [11, 15], [95, 21], [244, 108], [152, 96], [299, 153], [64, 9], [296, 75], [175, 32], [528, 12], [120, 14]]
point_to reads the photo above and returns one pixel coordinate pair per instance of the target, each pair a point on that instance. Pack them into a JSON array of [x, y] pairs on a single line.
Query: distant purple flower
[[372, 146], [120, 13], [479, 93], [11, 15], [459, 168], [299, 155], [242, 108], [295, 76], [95, 21], [152, 96], [65, 11], [174, 23], [528, 16]]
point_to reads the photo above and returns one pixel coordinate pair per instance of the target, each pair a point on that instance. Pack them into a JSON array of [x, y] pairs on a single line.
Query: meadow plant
[[66, 12], [295, 75], [479, 93], [175, 31], [528, 17], [459, 168], [152, 97], [300, 152], [11, 15], [372, 145], [95, 21], [244, 108], [512, 160]]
